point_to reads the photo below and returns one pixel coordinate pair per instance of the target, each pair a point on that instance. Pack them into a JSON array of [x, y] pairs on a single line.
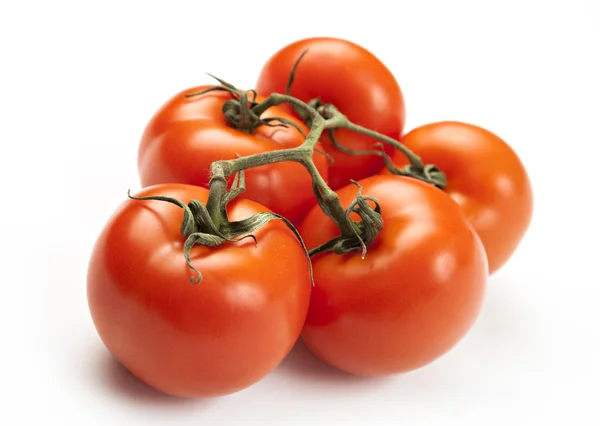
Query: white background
[[78, 82]]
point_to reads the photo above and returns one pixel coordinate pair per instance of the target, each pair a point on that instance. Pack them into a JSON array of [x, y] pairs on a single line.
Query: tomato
[[354, 80], [208, 339], [187, 134], [485, 177], [415, 294]]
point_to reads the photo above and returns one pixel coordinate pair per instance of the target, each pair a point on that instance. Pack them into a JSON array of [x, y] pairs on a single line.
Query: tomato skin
[[209, 339], [485, 177], [354, 80], [186, 135], [413, 297]]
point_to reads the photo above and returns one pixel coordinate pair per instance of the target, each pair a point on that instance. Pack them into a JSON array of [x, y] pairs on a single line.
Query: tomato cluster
[[407, 297]]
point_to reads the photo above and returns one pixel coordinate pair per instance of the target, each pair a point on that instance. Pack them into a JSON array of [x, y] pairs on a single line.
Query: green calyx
[[199, 228], [243, 112], [364, 231], [428, 173]]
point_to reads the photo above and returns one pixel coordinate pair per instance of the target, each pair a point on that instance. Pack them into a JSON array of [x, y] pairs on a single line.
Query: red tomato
[[485, 177], [188, 133], [208, 339], [415, 294], [356, 82]]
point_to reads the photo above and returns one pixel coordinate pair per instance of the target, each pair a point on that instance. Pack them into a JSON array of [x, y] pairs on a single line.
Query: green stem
[[218, 188], [417, 169], [303, 154], [341, 122], [277, 99], [413, 158]]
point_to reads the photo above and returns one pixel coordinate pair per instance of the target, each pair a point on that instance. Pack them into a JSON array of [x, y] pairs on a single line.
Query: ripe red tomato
[[415, 294], [354, 80], [208, 339], [485, 177], [187, 134]]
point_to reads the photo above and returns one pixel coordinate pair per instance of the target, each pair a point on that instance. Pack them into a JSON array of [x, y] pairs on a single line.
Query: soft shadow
[[121, 381], [302, 365]]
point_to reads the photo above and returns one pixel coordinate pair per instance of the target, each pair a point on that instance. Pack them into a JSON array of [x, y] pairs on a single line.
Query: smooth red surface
[[208, 339], [354, 80], [414, 296], [186, 135], [485, 177]]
